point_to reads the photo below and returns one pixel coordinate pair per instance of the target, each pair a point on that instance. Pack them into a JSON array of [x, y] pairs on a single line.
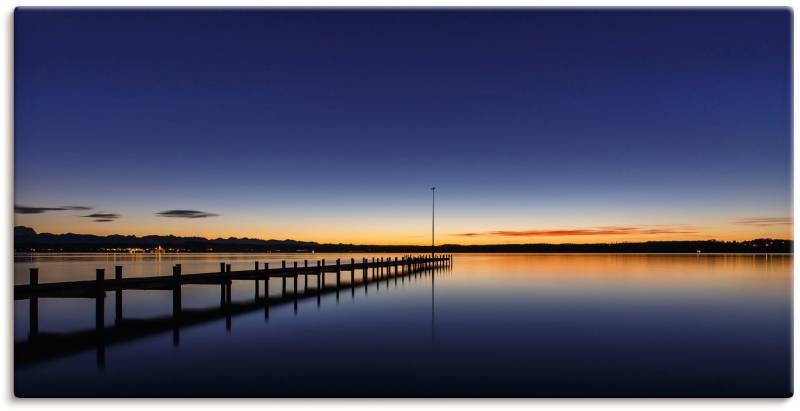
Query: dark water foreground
[[490, 325]]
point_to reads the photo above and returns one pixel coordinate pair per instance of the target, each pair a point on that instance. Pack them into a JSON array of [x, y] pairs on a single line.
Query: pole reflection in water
[[433, 306]]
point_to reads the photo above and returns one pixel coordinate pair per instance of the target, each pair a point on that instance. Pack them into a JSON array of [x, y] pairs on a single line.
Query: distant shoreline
[[22, 253], [27, 239]]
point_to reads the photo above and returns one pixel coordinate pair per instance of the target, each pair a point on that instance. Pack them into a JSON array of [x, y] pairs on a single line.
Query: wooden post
[[33, 314], [228, 284], [319, 282], [338, 272], [323, 273], [319, 277], [100, 275], [266, 280], [256, 281], [118, 296], [228, 299], [294, 290], [100, 316], [338, 278], [305, 276], [266, 290], [176, 304], [352, 271], [221, 284], [295, 280], [365, 275], [283, 279]]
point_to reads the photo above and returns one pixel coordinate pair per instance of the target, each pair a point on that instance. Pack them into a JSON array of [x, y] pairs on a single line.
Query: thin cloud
[[764, 221], [609, 230], [102, 217], [18, 209], [185, 214]]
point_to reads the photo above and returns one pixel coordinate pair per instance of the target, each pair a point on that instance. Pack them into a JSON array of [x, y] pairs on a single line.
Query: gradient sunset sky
[[331, 126]]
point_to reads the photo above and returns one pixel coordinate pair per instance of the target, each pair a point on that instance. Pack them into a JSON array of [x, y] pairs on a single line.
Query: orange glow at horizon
[[407, 232]]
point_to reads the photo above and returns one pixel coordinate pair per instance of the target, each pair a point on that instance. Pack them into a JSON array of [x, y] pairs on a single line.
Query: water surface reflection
[[519, 325]]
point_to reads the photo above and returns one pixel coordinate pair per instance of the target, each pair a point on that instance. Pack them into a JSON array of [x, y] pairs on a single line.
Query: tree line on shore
[[27, 239]]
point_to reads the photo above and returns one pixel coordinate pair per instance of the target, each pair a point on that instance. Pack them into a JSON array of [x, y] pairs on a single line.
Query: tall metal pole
[[433, 220]]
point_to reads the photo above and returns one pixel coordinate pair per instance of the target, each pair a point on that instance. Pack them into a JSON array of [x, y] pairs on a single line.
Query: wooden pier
[[98, 287], [41, 346]]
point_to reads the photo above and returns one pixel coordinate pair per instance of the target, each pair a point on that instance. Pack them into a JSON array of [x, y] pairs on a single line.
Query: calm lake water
[[489, 325]]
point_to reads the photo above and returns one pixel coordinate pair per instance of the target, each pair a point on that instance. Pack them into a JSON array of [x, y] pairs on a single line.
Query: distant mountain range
[[27, 239]]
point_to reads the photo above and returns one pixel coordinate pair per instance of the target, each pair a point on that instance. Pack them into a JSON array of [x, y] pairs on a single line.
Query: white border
[[6, 242]]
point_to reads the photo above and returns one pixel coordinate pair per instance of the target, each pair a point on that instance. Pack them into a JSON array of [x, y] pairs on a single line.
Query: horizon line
[[410, 245]]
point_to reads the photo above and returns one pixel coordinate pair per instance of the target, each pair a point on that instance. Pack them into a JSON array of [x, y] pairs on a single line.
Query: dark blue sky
[[302, 123]]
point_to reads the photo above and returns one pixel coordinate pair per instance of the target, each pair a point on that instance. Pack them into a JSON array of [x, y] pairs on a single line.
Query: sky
[[535, 126]]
